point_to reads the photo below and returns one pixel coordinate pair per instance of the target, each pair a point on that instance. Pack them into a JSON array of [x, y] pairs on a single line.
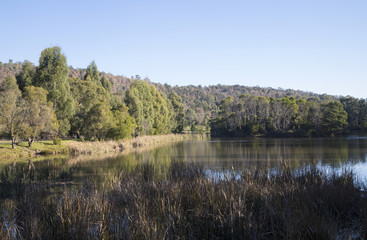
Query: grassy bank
[[307, 204], [22, 152], [129, 145], [76, 148]]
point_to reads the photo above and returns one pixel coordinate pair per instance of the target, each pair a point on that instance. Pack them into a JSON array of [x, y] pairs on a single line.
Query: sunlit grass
[[22, 152]]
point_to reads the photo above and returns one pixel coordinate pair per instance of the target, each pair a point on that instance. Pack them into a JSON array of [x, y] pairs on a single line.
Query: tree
[[334, 118], [161, 113], [26, 76], [106, 83], [11, 108], [39, 114], [352, 107], [52, 75], [139, 100], [86, 95], [92, 73], [124, 125], [178, 112], [98, 122]]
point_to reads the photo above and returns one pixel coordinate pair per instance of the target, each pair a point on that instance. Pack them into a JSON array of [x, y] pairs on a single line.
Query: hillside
[[204, 100]]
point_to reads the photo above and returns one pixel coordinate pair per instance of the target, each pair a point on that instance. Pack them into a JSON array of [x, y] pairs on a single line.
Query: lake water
[[217, 157]]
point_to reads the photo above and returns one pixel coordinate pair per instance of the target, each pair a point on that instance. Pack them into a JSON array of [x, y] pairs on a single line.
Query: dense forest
[[54, 100]]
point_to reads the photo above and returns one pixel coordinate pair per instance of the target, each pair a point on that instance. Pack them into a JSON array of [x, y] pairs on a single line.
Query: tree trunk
[[30, 142], [13, 142]]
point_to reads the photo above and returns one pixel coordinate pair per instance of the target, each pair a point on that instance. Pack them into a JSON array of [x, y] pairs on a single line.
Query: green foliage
[[124, 125], [251, 115], [106, 83], [92, 73], [334, 118], [51, 74], [161, 113], [11, 109], [140, 103], [56, 140], [178, 112], [39, 114], [26, 76], [98, 122]]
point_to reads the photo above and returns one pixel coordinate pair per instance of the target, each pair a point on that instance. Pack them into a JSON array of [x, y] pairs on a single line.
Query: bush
[[57, 141]]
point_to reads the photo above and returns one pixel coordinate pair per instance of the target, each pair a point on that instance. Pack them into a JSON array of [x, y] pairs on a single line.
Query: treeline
[[202, 102], [250, 115], [44, 102], [89, 104]]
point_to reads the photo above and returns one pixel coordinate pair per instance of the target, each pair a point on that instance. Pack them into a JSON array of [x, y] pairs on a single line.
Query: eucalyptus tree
[[334, 118], [139, 100], [99, 121], [106, 83], [92, 73], [52, 75], [86, 95], [160, 112], [26, 76], [178, 112], [40, 117], [11, 109]]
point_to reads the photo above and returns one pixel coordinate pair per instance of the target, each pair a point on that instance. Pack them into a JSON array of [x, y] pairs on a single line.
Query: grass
[[23, 153], [128, 145], [187, 204]]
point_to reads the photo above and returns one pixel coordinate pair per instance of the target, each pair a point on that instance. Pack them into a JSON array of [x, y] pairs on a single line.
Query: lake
[[217, 157]]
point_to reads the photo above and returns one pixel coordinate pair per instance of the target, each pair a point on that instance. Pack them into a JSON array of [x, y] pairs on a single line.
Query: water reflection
[[216, 155]]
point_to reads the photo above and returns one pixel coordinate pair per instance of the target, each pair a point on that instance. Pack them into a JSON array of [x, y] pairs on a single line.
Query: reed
[[188, 204], [128, 145]]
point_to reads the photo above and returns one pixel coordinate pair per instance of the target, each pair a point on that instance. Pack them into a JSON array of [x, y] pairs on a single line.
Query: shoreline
[[74, 148]]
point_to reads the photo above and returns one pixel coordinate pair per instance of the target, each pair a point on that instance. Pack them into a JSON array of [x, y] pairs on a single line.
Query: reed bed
[[127, 146], [188, 204]]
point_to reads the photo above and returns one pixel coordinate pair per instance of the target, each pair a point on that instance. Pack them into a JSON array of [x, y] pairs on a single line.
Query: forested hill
[[87, 103], [198, 100], [215, 93]]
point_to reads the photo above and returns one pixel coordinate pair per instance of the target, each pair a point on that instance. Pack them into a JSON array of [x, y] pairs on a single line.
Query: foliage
[[92, 73], [139, 100], [11, 109], [51, 74], [26, 76], [39, 114], [286, 116], [334, 118]]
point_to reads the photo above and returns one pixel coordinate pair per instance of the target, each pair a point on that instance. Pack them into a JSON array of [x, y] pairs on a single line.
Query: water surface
[[216, 156]]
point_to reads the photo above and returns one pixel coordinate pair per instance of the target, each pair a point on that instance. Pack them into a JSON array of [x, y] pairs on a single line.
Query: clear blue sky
[[313, 45]]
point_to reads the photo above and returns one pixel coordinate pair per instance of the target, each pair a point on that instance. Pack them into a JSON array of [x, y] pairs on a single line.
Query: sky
[[314, 45]]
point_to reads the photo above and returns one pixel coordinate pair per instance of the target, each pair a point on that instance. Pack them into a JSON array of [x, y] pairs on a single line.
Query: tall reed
[[189, 204]]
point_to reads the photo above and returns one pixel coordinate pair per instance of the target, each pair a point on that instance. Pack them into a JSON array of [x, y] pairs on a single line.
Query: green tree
[[99, 122], [139, 100], [11, 109], [334, 118], [161, 113], [106, 83], [26, 76], [178, 112], [352, 107], [86, 95], [52, 75], [39, 114], [92, 73], [124, 125]]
